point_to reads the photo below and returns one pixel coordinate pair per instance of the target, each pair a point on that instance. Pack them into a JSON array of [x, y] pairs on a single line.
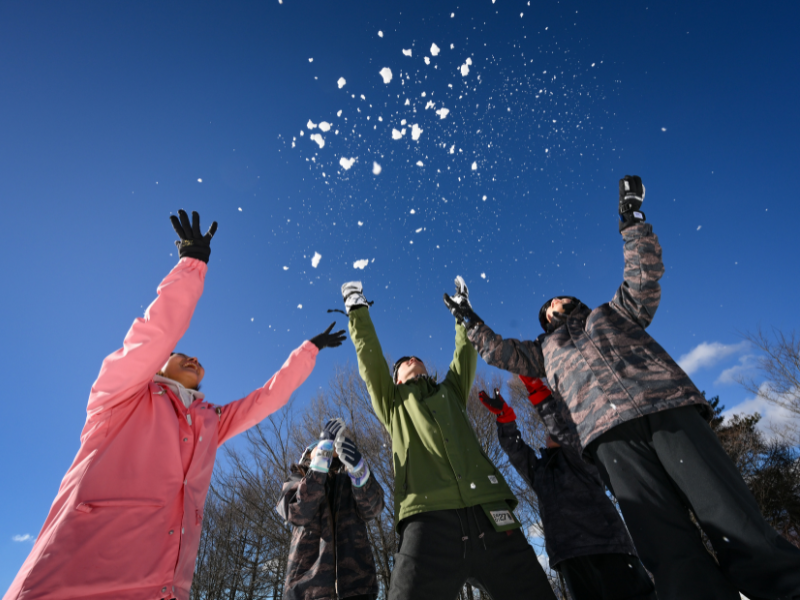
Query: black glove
[[459, 305], [631, 196], [332, 427], [192, 243], [326, 339]]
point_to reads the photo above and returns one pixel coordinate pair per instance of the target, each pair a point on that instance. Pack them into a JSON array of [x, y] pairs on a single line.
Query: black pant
[[607, 577], [660, 465], [434, 562]]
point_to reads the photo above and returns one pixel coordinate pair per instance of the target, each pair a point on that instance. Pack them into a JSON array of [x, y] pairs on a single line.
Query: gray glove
[[353, 296]]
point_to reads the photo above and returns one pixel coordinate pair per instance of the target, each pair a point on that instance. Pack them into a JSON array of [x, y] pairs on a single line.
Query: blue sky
[[113, 116]]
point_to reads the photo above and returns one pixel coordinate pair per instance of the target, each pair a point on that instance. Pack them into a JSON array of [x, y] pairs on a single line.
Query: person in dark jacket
[[585, 538], [638, 416], [328, 497]]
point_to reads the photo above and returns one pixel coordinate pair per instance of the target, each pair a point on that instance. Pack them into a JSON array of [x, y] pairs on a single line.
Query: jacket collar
[[185, 395]]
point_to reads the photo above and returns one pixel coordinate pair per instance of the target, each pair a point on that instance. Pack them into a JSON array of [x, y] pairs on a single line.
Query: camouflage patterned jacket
[[330, 556], [601, 364], [578, 518]]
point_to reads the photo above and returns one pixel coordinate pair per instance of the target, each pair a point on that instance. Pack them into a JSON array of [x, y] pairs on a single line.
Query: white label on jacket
[[492, 479], [502, 517]]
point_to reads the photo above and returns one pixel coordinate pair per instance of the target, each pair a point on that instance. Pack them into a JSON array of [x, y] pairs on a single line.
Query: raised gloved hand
[[537, 390], [326, 339], [322, 456], [498, 406], [352, 294], [631, 196], [331, 428], [351, 458], [192, 243], [459, 305]]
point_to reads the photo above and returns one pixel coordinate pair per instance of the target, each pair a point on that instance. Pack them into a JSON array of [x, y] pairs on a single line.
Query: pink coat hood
[[127, 518]]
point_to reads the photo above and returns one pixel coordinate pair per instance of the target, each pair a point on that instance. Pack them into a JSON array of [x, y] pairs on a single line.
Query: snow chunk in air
[[407, 52], [360, 264], [376, 170], [420, 163], [475, 166], [311, 124], [427, 60], [346, 162], [443, 112], [316, 137], [465, 67], [380, 34], [342, 82], [396, 135], [386, 73], [324, 126], [416, 131], [316, 259], [435, 50]]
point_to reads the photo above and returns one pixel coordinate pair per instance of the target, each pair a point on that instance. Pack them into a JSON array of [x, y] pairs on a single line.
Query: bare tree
[[779, 376]]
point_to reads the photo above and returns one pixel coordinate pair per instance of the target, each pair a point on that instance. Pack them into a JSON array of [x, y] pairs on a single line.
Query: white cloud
[[707, 355], [386, 73], [360, 264], [772, 415], [23, 538], [732, 375], [316, 259]]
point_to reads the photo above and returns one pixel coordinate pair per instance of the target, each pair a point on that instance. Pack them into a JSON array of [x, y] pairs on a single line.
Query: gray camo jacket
[[603, 367], [330, 556]]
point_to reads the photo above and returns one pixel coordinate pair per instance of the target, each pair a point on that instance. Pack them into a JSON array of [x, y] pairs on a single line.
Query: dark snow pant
[[607, 577], [660, 465], [433, 562]]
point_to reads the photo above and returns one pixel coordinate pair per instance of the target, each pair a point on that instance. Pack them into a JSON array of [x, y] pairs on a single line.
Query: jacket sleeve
[[515, 356], [243, 414], [521, 456], [640, 292], [372, 365], [369, 498], [150, 339], [558, 422], [302, 497], [462, 369]]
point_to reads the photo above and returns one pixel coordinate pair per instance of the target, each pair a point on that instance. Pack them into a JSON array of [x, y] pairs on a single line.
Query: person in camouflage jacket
[[328, 504], [636, 414]]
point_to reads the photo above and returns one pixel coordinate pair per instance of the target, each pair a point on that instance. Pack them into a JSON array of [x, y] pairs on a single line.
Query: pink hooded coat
[[127, 518]]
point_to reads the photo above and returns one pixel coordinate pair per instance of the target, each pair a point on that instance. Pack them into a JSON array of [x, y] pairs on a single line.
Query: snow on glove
[[352, 293], [323, 454], [498, 406], [631, 196], [192, 243], [331, 429], [326, 339], [537, 390], [460, 307], [351, 458]]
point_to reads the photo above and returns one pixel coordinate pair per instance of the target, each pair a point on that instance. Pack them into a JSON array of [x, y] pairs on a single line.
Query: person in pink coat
[[126, 521]]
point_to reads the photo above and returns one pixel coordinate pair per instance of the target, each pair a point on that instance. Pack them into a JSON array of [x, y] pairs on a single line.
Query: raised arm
[[461, 373], [640, 293], [151, 338], [516, 356], [371, 363]]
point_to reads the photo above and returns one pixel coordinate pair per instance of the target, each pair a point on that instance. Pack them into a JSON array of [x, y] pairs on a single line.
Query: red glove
[[537, 390], [498, 406]]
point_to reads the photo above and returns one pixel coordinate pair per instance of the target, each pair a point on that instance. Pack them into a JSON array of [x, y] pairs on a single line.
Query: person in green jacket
[[453, 508]]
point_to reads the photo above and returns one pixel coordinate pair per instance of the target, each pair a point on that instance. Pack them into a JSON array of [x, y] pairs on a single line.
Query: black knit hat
[[543, 311]]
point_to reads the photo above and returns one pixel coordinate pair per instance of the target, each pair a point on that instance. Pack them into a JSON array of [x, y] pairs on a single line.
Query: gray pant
[[442, 550], [660, 465]]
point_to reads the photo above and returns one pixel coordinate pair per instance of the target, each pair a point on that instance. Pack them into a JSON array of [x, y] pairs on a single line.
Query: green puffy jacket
[[438, 462]]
